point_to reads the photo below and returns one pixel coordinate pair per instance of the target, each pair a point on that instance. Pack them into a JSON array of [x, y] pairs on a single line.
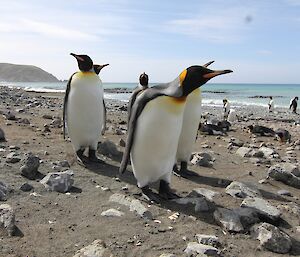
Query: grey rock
[[7, 218], [248, 216], [133, 204], [277, 172], [167, 255], [244, 151], [24, 121], [47, 117], [208, 240], [291, 168], [112, 213], [96, 249], [108, 148], [64, 164], [2, 135], [26, 187], [4, 190], [207, 193], [242, 190], [284, 192], [56, 123], [202, 159], [200, 203], [194, 247], [59, 181], [10, 115], [262, 207], [272, 238], [236, 142], [12, 158], [30, 167], [268, 152], [228, 219]]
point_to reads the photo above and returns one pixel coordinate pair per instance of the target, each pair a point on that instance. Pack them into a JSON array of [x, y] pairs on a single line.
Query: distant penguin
[[97, 69], [191, 119], [283, 135], [83, 109], [154, 130], [211, 129], [261, 130], [143, 84]]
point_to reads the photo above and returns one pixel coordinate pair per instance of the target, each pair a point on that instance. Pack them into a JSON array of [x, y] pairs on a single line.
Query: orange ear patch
[[182, 76]]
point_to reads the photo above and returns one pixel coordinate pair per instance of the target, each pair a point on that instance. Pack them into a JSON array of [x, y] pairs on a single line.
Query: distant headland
[[24, 73]]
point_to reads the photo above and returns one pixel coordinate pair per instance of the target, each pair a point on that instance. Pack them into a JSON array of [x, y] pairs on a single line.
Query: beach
[[60, 224]]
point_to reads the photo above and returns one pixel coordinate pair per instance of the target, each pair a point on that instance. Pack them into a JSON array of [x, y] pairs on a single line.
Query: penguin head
[[85, 63], [99, 67], [144, 79], [196, 76]]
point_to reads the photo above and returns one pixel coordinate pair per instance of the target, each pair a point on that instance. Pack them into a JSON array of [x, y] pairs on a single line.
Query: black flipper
[[66, 98], [104, 119], [169, 89], [132, 99]]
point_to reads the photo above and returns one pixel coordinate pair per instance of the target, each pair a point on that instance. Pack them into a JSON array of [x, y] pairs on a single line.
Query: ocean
[[212, 94]]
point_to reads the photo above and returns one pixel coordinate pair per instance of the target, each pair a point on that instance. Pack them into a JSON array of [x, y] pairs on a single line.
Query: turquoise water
[[213, 94]]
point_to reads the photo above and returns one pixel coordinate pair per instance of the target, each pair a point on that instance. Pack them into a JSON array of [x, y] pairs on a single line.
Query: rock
[[268, 152], [236, 142], [97, 249], [24, 121], [284, 192], [200, 203], [3, 191], [194, 247], [167, 255], [7, 219], [47, 117], [2, 135], [228, 219], [108, 148], [244, 152], [10, 115], [271, 238], [248, 216], [122, 143], [59, 181], [242, 190], [208, 240], [208, 194], [202, 159], [291, 168], [112, 213], [56, 123], [30, 167], [262, 207], [277, 172], [26, 187], [64, 164], [12, 158], [133, 204]]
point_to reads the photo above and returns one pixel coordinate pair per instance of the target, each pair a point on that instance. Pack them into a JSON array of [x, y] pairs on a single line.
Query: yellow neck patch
[[182, 76]]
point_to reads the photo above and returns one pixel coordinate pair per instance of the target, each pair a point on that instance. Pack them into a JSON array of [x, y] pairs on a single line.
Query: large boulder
[[242, 190], [207, 250], [280, 173], [30, 166], [228, 219], [272, 238], [7, 219], [96, 249], [59, 181]]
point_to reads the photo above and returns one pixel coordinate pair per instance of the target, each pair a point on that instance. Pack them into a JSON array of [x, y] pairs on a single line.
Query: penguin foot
[[149, 195], [93, 157], [166, 192]]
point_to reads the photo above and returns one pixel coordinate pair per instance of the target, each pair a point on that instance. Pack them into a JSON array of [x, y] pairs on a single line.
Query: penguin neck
[[89, 72]]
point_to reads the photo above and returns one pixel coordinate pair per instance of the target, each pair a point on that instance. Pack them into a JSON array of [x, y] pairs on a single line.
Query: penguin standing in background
[[97, 69], [83, 109], [154, 130], [143, 84], [191, 119]]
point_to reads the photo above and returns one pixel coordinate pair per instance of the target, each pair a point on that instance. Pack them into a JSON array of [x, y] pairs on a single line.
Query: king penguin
[[191, 119], [83, 109], [143, 85], [154, 130], [97, 69]]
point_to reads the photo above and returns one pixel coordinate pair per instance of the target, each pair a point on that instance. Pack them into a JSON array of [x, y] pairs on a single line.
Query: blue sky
[[258, 40]]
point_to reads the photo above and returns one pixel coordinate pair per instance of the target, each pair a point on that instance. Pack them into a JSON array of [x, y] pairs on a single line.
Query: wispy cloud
[[222, 27]]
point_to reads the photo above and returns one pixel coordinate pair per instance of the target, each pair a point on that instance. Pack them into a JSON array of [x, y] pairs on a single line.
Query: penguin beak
[[77, 57], [102, 66], [207, 64], [216, 73]]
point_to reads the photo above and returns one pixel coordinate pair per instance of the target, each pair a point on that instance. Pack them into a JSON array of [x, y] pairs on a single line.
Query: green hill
[[24, 73]]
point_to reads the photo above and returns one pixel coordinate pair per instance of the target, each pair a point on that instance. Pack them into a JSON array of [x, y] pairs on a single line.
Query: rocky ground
[[244, 200]]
